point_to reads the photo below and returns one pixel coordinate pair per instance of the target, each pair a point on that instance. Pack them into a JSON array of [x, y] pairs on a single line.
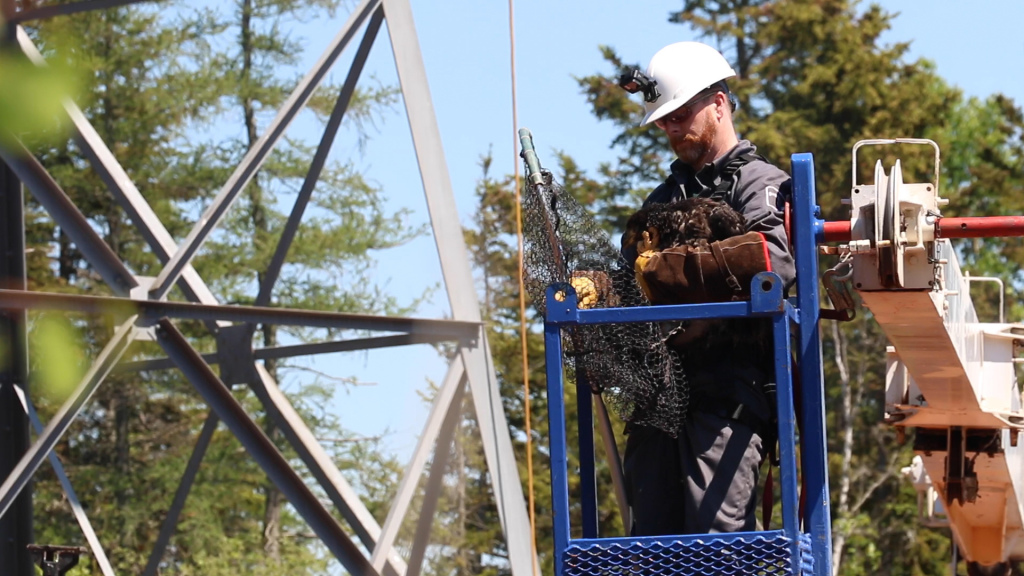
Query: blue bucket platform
[[803, 545]]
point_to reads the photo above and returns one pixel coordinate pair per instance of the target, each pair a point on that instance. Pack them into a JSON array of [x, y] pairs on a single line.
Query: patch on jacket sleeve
[[771, 197]]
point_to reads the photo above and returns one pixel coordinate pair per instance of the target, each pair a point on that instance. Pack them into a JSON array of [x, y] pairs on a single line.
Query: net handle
[[530, 156]]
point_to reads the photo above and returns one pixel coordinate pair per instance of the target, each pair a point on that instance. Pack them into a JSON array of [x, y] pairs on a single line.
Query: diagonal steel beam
[[321, 465], [184, 487], [70, 219], [435, 482], [258, 153], [52, 10], [69, 491], [150, 310], [458, 279], [111, 353], [448, 397], [319, 158], [276, 466]]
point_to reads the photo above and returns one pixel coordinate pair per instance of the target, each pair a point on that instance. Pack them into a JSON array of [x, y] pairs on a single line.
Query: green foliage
[[984, 176], [31, 103]]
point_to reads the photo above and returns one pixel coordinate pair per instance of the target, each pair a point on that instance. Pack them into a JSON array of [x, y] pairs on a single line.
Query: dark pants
[[703, 481]]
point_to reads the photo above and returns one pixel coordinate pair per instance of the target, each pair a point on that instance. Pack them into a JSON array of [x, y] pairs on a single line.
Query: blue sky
[[465, 47]]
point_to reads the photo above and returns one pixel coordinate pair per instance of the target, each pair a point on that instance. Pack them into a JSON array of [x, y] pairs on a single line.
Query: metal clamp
[[56, 560], [838, 291]]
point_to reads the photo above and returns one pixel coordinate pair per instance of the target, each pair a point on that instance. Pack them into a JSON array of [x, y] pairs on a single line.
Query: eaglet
[[693, 221]]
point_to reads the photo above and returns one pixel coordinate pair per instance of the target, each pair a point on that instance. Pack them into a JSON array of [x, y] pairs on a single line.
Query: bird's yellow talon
[[586, 292]]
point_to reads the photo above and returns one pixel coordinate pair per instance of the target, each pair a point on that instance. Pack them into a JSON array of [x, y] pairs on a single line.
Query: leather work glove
[[717, 272]]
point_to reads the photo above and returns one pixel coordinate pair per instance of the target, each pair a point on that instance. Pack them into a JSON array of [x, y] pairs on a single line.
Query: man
[[704, 479]]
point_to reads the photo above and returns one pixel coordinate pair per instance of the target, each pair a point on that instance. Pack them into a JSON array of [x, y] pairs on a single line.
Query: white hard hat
[[682, 70]]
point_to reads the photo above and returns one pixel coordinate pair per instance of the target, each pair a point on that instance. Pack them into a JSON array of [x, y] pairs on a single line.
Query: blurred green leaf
[[59, 354], [31, 101]]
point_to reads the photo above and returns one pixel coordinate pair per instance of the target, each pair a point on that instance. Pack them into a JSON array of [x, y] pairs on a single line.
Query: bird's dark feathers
[[693, 221], [697, 222]]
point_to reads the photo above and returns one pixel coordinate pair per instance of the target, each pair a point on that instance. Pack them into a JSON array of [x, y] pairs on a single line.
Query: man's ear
[[722, 100]]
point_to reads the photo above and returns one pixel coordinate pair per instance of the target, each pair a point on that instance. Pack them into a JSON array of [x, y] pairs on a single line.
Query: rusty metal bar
[[278, 352], [152, 310], [980, 227]]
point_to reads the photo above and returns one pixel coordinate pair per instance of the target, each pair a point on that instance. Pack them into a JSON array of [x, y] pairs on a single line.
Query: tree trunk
[[272, 510], [839, 532], [122, 414], [66, 257], [274, 498]]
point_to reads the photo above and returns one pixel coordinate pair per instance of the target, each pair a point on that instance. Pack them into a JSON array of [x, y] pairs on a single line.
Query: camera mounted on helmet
[[634, 81]]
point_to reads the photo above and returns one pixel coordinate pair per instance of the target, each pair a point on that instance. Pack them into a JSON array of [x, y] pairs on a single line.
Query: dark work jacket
[[735, 369]]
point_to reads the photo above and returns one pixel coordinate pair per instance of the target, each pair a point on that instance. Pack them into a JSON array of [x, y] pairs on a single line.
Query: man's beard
[[691, 148]]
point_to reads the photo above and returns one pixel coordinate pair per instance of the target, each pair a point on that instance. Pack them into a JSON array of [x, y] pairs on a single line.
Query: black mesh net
[[630, 364]]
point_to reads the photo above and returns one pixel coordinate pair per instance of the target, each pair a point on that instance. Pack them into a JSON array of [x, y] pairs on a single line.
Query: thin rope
[[522, 294]]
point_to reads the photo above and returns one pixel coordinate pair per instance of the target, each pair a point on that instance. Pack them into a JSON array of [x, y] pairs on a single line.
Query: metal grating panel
[[806, 556], [755, 556]]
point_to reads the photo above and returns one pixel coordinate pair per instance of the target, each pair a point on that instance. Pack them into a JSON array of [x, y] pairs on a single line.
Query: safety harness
[[727, 181]]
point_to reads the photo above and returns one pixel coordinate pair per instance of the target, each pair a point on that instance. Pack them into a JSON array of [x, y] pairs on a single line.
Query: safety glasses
[[684, 112]]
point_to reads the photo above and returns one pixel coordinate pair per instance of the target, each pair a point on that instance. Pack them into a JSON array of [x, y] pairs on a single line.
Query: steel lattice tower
[[149, 315]]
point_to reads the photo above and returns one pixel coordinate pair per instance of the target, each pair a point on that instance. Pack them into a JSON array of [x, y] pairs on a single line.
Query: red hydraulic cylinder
[[971, 227], [837, 231]]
